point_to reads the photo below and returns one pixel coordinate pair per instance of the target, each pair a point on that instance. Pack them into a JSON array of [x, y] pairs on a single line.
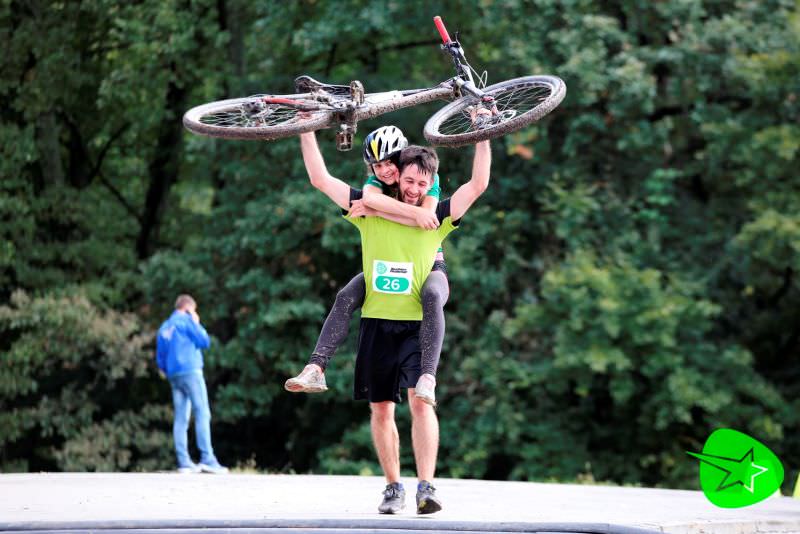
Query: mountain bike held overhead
[[315, 105]]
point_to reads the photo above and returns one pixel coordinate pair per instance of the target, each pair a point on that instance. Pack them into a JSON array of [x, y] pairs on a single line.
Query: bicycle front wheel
[[518, 102], [262, 117]]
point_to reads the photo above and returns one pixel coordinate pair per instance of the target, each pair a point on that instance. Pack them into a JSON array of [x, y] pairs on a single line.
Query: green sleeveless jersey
[[396, 261]]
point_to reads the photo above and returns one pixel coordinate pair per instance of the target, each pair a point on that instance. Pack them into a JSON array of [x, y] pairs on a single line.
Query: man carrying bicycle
[[397, 259], [382, 149]]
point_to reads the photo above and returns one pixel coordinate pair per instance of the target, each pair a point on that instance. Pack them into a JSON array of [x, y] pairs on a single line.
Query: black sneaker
[[394, 499], [427, 501]]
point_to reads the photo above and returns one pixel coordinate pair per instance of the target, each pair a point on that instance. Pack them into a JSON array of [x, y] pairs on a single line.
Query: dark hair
[[184, 300], [394, 158], [423, 157]]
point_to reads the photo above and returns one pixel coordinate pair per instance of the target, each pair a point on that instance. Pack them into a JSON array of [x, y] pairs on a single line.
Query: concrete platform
[[167, 502]]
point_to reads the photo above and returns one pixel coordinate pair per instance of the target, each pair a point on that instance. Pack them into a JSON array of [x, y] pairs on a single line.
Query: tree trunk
[[49, 149], [162, 170], [230, 19]]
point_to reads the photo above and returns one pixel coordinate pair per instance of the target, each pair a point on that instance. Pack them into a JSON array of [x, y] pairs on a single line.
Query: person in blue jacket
[[178, 345]]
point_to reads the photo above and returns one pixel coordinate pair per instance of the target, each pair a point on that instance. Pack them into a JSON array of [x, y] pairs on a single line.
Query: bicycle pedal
[[344, 141]]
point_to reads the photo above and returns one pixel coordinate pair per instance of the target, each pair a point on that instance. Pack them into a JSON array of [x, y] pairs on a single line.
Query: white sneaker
[[214, 469], [187, 469], [310, 380], [425, 389]]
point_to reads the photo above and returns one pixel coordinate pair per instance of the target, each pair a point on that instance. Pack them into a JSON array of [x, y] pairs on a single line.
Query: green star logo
[[737, 470]]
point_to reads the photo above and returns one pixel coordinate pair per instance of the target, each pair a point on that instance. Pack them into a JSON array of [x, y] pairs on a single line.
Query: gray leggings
[[431, 332]]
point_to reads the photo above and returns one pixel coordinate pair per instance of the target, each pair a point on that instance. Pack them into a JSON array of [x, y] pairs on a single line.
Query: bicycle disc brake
[[497, 117], [488, 121], [255, 112]]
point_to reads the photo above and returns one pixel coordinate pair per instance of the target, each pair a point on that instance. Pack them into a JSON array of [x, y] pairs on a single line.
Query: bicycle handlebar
[[442, 30]]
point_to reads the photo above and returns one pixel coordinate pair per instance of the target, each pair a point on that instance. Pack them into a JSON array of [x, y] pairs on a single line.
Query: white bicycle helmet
[[383, 143]]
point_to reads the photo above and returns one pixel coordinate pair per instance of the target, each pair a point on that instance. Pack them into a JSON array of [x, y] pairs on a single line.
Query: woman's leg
[[435, 292], [431, 332], [312, 378], [337, 324]]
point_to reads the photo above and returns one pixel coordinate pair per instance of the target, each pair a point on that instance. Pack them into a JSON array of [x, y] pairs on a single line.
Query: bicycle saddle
[[307, 84]]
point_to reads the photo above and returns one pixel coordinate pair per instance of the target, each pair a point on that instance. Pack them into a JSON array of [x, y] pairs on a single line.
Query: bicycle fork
[[463, 79]]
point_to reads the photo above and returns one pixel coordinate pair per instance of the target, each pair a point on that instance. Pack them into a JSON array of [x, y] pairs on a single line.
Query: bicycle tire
[[252, 118], [529, 99]]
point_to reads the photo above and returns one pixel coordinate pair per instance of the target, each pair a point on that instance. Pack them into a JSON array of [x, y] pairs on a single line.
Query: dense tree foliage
[[629, 282]]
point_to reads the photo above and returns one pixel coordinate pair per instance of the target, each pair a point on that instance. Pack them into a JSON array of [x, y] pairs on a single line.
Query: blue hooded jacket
[[178, 344]]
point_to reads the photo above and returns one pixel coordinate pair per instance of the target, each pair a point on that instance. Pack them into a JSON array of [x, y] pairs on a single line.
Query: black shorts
[[389, 359]]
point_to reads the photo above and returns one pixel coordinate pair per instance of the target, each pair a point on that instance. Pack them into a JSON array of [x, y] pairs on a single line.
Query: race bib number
[[392, 277]]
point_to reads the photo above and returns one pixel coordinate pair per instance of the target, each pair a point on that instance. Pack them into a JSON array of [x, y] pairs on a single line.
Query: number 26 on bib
[[392, 277]]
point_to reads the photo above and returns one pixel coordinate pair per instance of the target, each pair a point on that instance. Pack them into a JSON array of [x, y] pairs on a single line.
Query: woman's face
[[386, 171]]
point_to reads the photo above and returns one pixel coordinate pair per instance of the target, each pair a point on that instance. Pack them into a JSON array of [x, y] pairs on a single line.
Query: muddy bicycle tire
[[252, 118], [520, 102]]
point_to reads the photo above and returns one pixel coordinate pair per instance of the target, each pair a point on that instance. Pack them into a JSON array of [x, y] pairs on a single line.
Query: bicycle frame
[[348, 111]]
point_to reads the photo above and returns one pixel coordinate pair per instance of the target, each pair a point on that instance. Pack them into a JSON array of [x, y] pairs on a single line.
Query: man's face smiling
[[414, 185]]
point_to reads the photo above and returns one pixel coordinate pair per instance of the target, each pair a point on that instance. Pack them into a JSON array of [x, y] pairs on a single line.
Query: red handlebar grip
[[442, 30]]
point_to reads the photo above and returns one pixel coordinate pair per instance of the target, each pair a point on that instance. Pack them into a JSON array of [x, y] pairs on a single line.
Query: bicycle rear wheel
[[258, 117], [519, 102]]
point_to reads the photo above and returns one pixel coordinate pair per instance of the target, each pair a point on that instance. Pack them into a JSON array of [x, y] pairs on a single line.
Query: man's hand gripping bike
[[513, 104]]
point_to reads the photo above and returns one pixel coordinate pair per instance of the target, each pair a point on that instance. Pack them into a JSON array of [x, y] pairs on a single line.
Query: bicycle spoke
[[255, 112], [510, 103]]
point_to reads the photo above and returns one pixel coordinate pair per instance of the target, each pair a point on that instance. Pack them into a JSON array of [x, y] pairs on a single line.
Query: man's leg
[[386, 439], [387, 445], [435, 292], [180, 425], [334, 332], [202, 423], [425, 438]]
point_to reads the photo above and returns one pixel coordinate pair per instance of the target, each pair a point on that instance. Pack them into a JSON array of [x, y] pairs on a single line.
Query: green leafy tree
[[627, 284], [74, 388]]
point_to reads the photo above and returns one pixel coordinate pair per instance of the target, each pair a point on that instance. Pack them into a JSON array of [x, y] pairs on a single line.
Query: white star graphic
[[761, 471]]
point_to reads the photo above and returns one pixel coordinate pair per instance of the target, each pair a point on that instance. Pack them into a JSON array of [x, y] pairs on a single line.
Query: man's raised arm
[[468, 193], [337, 190]]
